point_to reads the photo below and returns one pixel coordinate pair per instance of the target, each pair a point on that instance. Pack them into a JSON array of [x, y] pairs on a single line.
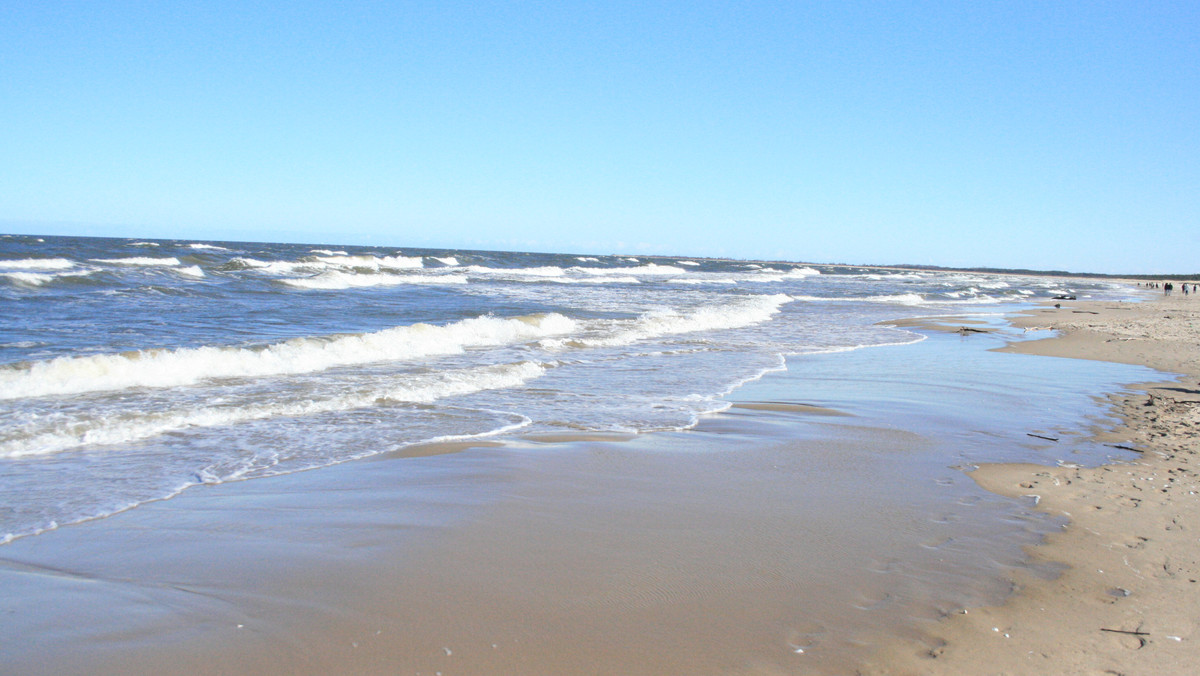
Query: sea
[[134, 369]]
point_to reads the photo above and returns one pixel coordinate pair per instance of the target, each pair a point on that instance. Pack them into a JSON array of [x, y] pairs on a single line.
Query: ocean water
[[131, 370]]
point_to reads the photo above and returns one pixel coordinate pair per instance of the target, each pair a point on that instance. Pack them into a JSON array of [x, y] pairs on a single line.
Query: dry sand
[[1129, 603]]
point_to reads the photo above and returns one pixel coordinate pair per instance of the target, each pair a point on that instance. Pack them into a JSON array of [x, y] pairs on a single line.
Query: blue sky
[[1050, 135]]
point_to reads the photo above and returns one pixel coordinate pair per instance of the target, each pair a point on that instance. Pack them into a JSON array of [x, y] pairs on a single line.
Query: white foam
[[336, 262], [41, 278], [334, 280], [373, 262], [37, 264], [250, 262], [418, 389], [400, 262], [703, 280], [688, 263], [890, 276], [186, 366], [595, 280], [650, 269], [28, 278], [328, 252], [909, 299], [898, 299], [210, 247], [140, 261], [744, 311], [449, 261], [521, 421], [802, 272], [768, 275], [544, 271], [289, 267], [587, 259], [140, 243], [279, 267], [191, 271]]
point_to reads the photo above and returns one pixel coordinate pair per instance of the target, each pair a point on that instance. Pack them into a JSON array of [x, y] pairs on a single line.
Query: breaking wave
[[59, 436], [37, 264], [658, 323], [187, 366], [140, 261], [336, 280]]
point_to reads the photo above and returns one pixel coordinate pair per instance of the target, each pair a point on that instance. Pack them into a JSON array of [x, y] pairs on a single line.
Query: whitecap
[[703, 280], [649, 269], [37, 264], [41, 278], [373, 262], [60, 435], [335, 280], [185, 366], [140, 261], [28, 278], [744, 311], [544, 271]]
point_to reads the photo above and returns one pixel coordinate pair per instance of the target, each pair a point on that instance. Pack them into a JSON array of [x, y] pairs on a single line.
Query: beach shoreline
[[744, 545], [1125, 601]]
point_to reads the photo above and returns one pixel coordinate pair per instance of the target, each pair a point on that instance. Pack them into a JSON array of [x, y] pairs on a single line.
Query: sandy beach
[[825, 524], [599, 339], [1126, 603]]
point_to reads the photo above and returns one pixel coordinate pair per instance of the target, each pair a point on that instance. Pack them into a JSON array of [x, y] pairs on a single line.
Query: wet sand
[[1127, 601], [823, 515]]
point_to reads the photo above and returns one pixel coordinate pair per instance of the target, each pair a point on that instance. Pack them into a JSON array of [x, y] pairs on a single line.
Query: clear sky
[[1048, 134]]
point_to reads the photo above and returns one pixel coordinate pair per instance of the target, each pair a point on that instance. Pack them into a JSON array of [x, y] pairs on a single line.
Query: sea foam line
[[745, 311], [186, 366], [420, 389], [206, 476]]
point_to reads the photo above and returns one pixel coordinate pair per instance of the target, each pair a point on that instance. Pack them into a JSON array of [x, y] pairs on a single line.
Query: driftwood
[[1031, 434], [1127, 448], [966, 329]]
